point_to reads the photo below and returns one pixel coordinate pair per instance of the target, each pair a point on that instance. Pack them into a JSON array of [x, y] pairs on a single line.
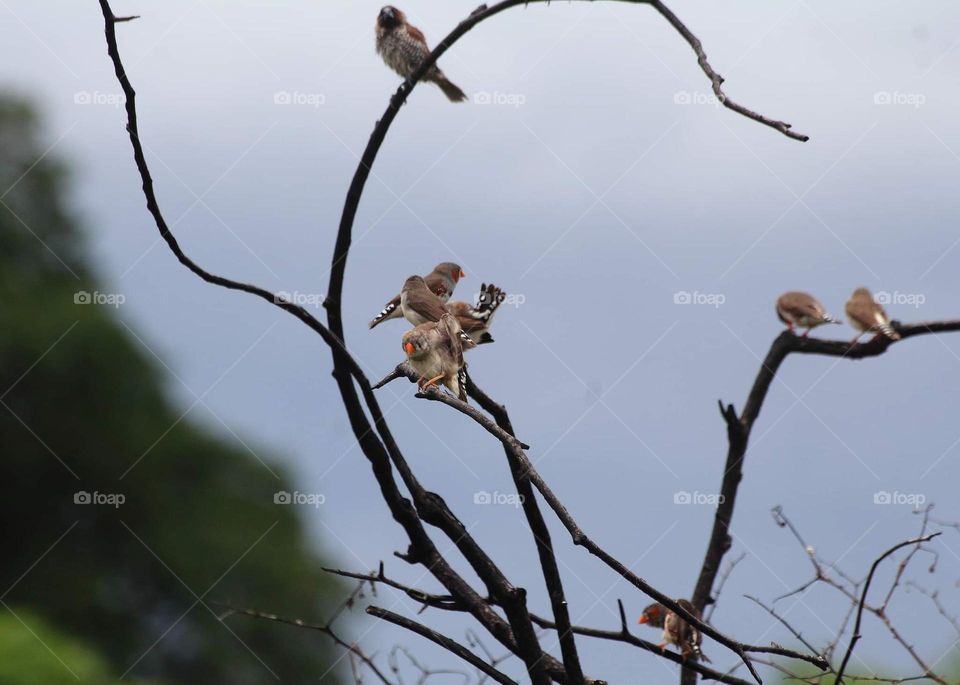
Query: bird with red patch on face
[[676, 631], [403, 48], [441, 282]]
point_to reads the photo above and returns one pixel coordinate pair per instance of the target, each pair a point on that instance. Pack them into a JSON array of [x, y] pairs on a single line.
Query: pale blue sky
[[597, 199]]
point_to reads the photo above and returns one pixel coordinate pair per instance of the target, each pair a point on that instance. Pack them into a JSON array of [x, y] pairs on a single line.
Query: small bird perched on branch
[[676, 631], [435, 351], [442, 281], [404, 48], [420, 306], [802, 310], [867, 316], [475, 320]]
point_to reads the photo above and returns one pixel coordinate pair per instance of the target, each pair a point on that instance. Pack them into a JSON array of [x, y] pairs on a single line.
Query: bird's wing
[[426, 304], [799, 306]]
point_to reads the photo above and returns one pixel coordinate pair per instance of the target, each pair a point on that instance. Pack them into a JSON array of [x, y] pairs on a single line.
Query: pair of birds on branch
[[802, 310], [442, 330]]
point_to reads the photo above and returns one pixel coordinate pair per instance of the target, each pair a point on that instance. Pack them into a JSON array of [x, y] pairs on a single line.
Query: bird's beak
[[408, 348], [643, 619], [462, 275]]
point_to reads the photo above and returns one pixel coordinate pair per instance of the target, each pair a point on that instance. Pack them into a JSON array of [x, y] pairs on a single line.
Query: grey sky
[[597, 199]]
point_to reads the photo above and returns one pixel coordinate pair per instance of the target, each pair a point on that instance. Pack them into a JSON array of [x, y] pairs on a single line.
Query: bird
[[442, 281], [802, 310], [676, 631], [403, 48], [867, 316], [420, 306], [435, 351], [475, 320]]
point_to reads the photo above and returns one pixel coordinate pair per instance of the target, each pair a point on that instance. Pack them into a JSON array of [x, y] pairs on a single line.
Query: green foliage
[[75, 415], [27, 648]]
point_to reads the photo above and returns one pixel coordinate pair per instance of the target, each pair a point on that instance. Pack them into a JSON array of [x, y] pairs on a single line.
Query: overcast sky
[[600, 184]]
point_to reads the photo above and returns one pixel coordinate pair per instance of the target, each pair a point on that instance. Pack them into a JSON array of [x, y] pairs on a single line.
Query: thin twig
[[443, 641], [863, 598]]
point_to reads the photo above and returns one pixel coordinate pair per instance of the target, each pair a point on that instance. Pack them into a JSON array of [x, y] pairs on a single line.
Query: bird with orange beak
[[676, 631], [435, 351]]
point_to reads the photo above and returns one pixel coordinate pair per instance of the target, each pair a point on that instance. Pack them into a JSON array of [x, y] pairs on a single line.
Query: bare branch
[[326, 629], [443, 641], [863, 598], [716, 80]]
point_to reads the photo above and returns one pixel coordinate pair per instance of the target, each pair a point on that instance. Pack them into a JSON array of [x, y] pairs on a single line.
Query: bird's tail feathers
[[888, 331], [462, 382], [450, 89], [385, 314]]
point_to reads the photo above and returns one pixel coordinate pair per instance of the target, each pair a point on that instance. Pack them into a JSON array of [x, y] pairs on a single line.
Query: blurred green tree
[[79, 402]]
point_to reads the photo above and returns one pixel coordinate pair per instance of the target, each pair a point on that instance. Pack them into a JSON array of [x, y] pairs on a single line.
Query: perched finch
[[403, 48], [435, 351], [867, 316], [475, 320], [420, 306], [441, 281], [676, 631], [803, 311]]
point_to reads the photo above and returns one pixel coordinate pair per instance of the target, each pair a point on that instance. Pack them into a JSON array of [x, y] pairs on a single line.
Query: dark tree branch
[[625, 636], [449, 603], [541, 534], [443, 641], [716, 80], [581, 539], [863, 598], [740, 427], [325, 628]]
